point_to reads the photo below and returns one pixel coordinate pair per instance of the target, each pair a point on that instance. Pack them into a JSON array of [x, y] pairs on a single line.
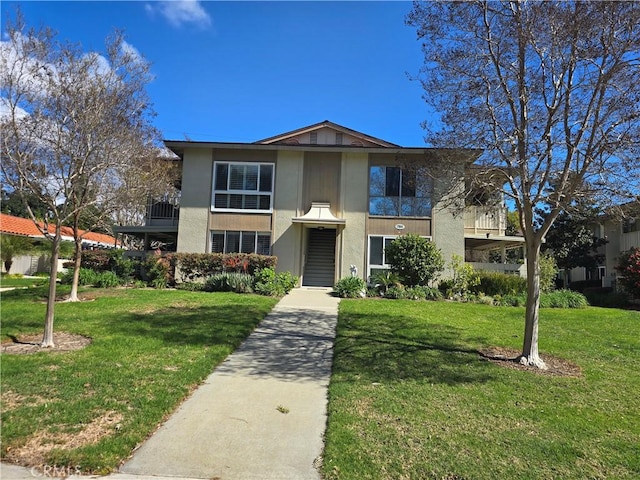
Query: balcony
[[480, 220], [162, 214]]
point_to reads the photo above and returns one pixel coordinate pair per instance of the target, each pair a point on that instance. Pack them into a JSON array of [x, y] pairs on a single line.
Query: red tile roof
[[25, 227]]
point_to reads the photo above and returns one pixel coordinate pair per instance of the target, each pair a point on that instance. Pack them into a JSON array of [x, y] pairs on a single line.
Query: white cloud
[[181, 12]]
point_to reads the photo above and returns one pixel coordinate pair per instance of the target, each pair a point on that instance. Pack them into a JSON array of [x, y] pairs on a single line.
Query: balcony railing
[[479, 220], [162, 214]]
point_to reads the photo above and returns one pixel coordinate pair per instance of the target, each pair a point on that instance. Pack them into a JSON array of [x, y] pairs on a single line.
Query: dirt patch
[[37, 447], [29, 344], [509, 358]]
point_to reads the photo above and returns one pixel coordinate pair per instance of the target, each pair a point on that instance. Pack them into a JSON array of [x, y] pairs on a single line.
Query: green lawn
[[11, 281], [411, 399], [150, 348]]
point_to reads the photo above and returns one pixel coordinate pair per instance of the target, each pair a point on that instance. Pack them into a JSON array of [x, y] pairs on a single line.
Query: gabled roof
[[295, 135], [25, 227]]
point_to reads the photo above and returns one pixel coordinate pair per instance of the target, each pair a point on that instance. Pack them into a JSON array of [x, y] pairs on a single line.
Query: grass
[[91, 407], [410, 397], [14, 281]]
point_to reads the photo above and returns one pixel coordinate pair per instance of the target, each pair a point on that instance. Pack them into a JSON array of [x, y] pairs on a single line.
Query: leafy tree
[[571, 241], [13, 203], [550, 91], [75, 126], [415, 259], [13, 246], [629, 269]]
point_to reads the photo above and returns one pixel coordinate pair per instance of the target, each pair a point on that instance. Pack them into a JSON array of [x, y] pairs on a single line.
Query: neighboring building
[[24, 227], [325, 200], [622, 232]]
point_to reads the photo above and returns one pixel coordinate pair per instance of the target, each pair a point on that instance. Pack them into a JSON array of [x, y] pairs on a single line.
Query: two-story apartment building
[[325, 200]]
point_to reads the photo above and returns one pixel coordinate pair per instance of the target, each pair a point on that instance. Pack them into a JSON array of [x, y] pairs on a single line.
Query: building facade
[[325, 200]]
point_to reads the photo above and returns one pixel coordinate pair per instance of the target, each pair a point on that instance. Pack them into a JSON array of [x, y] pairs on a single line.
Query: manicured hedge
[[495, 283], [195, 266]]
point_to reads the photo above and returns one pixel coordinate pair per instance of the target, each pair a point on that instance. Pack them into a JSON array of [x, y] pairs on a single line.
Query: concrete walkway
[[260, 415]]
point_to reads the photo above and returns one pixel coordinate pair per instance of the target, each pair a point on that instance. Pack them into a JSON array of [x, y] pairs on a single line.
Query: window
[[338, 138], [399, 192], [243, 186], [241, 242], [313, 138], [377, 257]]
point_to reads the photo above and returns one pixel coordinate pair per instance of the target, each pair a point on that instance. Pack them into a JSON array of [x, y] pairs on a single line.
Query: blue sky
[[242, 71]]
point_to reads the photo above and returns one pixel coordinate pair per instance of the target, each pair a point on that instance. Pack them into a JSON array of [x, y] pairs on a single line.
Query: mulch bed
[[509, 358], [29, 344]]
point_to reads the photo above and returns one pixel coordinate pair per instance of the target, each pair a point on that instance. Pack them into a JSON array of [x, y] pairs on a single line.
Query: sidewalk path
[[262, 413]]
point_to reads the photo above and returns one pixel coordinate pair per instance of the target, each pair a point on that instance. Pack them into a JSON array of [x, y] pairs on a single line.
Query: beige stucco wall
[[448, 218], [195, 202], [354, 200], [287, 237]]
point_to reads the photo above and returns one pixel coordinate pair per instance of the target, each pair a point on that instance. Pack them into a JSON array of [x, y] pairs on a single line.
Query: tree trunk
[[7, 265], [77, 259], [530, 354], [47, 339]]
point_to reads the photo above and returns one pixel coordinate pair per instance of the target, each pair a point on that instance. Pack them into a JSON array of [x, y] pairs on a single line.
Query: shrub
[[86, 277], [494, 283], [629, 269], [548, 272], [464, 277], [107, 280], [446, 287], [396, 293], [229, 282], [415, 259], [415, 293], [157, 270], [563, 299], [195, 266], [583, 285], [268, 282], [350, 287], [385, 280], [510, 300], [423, 293], [606, 297]]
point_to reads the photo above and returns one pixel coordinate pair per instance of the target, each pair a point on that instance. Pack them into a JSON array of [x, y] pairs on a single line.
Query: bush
[[350, 287], [423, 293], [629, 269], [494, 283], [464, 277], [86, 277], [415, 259], [606, 297], [195, 266], [385, 280], [510, 300], [548, 272], [396, 293], [584, 285], [107, 280], [563, 299], [268, 282], [229, 282], [157, 270]]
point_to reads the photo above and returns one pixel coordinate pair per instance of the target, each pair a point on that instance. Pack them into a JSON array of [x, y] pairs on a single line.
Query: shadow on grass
[[388, 348], [203, 325]]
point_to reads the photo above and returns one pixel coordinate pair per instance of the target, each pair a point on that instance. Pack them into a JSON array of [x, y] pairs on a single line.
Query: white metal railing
[[509, 268], [479, 219]]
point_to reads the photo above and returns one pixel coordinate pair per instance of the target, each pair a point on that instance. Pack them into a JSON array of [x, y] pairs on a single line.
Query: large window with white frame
[[229, 241], [243, 186], [400, 192]]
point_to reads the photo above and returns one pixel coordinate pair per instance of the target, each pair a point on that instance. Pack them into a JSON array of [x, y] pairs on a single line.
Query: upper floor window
[[243, 186], [399, 192]]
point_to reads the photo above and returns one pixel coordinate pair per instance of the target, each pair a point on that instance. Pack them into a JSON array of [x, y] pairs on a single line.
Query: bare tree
[[550, 90], [75, 126]]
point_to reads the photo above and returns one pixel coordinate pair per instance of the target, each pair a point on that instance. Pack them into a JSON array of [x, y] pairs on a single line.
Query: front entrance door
[[320, 266]]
